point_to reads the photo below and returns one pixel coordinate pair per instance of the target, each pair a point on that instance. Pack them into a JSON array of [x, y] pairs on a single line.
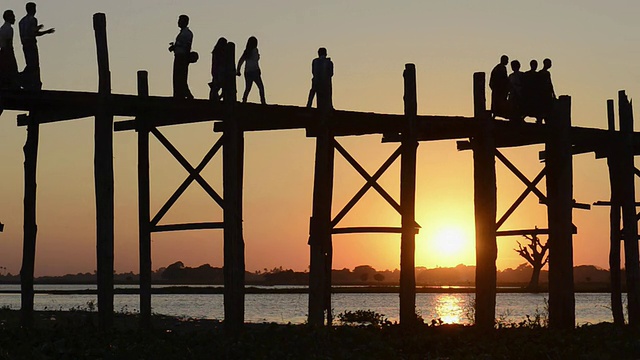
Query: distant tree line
[[461, 275]]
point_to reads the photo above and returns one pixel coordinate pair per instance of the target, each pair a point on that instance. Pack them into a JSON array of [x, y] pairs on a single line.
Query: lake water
[[285, 308]]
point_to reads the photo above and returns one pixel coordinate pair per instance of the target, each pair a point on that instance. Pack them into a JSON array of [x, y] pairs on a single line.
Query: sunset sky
[[593, 45]]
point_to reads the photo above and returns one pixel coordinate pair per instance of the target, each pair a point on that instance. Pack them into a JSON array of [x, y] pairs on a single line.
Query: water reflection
[[284, 308], [449, 308]]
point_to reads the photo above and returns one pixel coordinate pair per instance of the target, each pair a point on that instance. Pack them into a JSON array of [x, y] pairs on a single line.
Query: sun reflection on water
[[449, 308]]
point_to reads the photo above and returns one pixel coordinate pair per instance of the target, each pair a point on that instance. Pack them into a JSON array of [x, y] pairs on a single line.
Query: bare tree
[[536, 254]]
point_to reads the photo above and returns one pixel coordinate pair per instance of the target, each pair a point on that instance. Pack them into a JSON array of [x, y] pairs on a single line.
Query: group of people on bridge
[[522, 94], [29, 78], [321, 69], [10, 77]]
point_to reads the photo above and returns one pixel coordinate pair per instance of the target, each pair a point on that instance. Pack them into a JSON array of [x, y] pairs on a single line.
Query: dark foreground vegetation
[[73, 335]]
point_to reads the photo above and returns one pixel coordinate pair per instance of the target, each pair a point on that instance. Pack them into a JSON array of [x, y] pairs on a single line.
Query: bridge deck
[[53, 106]]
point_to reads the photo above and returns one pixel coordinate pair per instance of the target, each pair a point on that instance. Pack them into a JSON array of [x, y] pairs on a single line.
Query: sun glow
[[449, 241], [450, 245]]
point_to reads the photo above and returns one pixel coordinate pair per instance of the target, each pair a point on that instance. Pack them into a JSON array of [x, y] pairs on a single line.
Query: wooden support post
[[320, 228], [485, 199], [408, 202], [103, 172], [144, 216], [614, 218], [559, 211], [30, 226], [629, 221], [233, 159]]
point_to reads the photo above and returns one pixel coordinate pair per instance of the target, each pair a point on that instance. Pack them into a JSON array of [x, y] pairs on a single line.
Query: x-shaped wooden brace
[[372, 182], [194, 174], [531, 187]]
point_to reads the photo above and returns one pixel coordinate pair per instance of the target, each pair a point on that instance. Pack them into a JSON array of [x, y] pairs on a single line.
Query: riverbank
[[73, 335], [283, 289]]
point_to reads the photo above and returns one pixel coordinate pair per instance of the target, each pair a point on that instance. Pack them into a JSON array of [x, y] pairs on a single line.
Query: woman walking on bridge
[[250, 56]]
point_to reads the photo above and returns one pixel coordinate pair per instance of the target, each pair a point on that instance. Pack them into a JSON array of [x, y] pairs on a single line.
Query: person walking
[[252, 73], [29, 31], [499, 84], [8, 63], [181, 49], [218, 67], [322, 71]]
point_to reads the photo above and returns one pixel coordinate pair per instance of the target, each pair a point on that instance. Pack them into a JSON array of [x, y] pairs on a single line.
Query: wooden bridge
[[482, 134]]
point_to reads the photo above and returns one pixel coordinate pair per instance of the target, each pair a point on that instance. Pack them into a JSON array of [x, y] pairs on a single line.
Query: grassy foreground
[[73, 335]]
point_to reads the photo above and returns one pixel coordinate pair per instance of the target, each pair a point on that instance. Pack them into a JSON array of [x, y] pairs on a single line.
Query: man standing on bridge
[[29, 31], [322, 70], [181, 49], [8, 64], [499, 84], [547, 94]]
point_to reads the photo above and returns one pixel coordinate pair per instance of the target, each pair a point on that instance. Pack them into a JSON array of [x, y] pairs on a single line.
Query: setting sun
[[449, 241], [449, 245]]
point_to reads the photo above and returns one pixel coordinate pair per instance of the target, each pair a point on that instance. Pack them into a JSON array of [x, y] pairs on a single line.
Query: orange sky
[[593, 45]]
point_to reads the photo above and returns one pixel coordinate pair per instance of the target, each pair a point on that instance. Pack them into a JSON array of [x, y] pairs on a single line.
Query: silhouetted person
[[499, 84], [252, 74], [29, 31], [531, 90], [322, 70], [218, 69], [547, 94], [8, 63], [181, 49], [515, 92]]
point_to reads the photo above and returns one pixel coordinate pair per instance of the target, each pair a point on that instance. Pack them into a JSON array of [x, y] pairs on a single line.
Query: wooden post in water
[[30, 226], [408, 201], [559, 211], [629, 220], [144, 215], [613, 162], [320, 240], [485, 195], [103, 172], [233, 159]]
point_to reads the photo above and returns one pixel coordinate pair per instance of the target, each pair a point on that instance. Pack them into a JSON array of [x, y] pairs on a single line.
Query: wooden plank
[[191, 226], [232, 163], [522, 232], [485, 205], [408, 201], [30, 225], [58, 114], [559, 212], [371, 230], [103, 162], [608, 203], [627, 196], [165, 111], [144, 209]]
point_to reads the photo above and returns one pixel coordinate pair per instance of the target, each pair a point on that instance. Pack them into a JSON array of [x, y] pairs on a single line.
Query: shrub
[[363, 318]]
